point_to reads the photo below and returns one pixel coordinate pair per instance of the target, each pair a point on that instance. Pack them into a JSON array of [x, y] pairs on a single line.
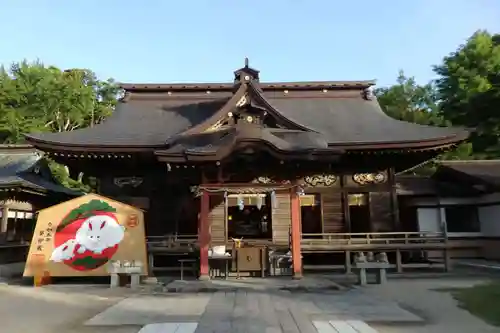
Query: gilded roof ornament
[[369, 178], [243, 101]]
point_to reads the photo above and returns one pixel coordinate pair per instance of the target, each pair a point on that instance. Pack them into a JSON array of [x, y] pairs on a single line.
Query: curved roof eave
[[244, 88], [261, 98], [235, 143], [227, 107], [431, 143], [50, 145]]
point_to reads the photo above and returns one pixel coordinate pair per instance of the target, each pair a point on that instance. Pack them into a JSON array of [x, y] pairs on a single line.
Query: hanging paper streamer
[[300, 191], [274, 201], [259, 202], [241, 203]]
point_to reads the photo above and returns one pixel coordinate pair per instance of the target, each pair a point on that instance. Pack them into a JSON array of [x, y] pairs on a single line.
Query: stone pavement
[[276, 311], [170, 328], [343, 326], [310, 305], [332, 326]]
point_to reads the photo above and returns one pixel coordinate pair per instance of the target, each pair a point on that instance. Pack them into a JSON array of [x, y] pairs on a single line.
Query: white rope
[[417, 166]]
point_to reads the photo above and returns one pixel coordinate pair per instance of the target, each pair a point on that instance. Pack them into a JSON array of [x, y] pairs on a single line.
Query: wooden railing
[[13, 252], [322, 241], [252, 242], [373, 240], [172, 242]]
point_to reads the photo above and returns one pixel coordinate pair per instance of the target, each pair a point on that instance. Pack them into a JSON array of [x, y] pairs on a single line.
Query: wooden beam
[[204, 234], [296, 234], [5, 219], [394, 200], [345, 206]]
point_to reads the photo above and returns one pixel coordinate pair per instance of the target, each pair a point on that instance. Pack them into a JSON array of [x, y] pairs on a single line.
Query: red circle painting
[[88, 236]]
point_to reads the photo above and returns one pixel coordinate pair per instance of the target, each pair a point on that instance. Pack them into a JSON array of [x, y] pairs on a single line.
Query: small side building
[[461, 199], [26, 185]]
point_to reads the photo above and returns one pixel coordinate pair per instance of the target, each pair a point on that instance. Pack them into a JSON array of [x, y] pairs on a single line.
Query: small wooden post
[[362, 277], [348, 266], [444, 229], [296, 234], [135, 280], [204, 234], [447, 261], [396, 223], [399, 262], [42, 279], [4, 221], [381, 276], [114, 280]]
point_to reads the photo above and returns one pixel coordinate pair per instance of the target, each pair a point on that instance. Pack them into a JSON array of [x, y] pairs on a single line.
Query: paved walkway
[[396, 307], [332, 326], [241, 311]]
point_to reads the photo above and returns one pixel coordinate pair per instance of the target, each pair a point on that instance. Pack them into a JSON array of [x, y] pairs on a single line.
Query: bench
[[363, 264], [132, 269], [192, 267]]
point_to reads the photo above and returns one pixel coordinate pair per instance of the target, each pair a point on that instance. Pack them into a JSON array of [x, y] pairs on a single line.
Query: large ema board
[[80, 237]]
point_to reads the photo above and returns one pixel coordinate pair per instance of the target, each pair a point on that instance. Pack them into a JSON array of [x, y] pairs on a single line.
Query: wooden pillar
[[347, 222], [345, 206], [394, 200], [296, 234], [204, 234], [444, 230], [4, 224], [5, 219]]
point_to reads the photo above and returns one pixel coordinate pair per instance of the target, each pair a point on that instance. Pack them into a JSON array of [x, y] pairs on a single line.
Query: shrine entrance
[[249, 216]]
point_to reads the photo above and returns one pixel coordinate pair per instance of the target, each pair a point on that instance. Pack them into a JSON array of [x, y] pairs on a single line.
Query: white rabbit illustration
[[98, 233], [64, 251]]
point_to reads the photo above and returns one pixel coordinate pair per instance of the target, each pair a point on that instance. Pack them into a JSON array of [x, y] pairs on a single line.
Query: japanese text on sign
[[44, 236]]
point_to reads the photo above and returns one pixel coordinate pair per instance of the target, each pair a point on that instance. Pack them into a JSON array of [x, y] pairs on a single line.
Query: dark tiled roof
[[24, 169], [355, 121], [217, 144], [304, 85], [427, 186], [487, 171], [143, 123], [339, 111], [415, 185]]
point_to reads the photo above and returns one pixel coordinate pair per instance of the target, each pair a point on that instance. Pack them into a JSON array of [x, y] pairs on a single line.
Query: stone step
[[169, 328], [343, 326]]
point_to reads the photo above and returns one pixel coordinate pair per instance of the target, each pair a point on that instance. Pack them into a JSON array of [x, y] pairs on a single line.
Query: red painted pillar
[[296, 234], [204, 234]]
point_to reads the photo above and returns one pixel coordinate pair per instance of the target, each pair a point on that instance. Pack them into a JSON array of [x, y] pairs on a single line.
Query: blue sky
[[205, 40]]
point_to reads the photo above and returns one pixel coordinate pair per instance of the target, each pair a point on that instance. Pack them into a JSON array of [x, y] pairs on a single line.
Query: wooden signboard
[[80, 236]]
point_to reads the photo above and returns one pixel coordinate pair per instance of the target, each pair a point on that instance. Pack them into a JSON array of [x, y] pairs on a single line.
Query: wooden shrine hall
[[307, 168]]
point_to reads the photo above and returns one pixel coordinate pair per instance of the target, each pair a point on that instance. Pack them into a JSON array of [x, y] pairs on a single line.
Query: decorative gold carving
[[216, 126], [262, 180], [316, 180], [243, 101], [128, 181], [369, 178], [197, 190]]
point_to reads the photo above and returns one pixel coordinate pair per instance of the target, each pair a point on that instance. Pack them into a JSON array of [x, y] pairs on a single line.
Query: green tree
[[408, 101], [469, 91], [35, 97]]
